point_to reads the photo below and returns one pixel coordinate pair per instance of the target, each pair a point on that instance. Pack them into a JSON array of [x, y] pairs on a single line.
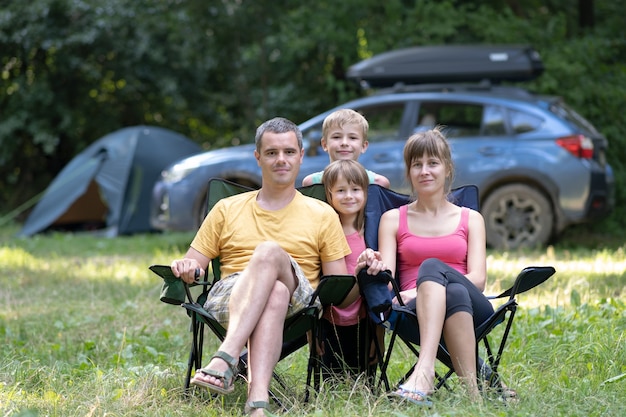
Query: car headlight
[[178, 171]]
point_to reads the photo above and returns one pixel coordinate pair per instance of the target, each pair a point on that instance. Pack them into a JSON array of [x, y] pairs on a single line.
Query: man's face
[[279, 158]]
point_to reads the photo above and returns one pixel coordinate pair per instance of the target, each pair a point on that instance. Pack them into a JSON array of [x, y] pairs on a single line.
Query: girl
[[345, 344]]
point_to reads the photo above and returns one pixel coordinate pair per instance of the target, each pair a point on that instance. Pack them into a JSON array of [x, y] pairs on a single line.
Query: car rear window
[[522, 122], [565, 112]]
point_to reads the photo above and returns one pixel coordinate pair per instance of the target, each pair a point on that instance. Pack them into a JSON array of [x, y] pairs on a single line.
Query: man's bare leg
[[254, 287], [265, 345]]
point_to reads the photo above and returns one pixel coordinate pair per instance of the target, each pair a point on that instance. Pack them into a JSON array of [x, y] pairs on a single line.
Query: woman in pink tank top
[[440, 252]]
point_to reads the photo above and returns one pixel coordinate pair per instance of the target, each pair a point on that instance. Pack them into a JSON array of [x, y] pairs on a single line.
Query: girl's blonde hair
[[354, 173], [432, 143]]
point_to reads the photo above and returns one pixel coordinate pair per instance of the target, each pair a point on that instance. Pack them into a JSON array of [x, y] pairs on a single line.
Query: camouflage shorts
[[217, 301]]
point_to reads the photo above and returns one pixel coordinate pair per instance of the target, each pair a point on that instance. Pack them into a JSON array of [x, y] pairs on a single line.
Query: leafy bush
[[73, 71]]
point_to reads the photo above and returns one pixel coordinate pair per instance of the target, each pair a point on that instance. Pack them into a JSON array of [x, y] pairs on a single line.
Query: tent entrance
[[88, 212], [108, 186]]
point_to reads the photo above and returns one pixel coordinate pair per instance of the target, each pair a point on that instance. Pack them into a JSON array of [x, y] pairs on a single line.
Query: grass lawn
[[83, 334]]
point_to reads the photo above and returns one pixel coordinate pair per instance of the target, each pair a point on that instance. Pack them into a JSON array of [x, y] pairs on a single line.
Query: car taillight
[[578, 145]]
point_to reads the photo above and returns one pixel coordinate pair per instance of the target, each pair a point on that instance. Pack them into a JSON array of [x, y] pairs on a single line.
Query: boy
[[344, 136]]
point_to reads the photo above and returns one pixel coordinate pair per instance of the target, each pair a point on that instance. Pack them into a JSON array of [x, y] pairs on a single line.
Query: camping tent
[[109, 184]]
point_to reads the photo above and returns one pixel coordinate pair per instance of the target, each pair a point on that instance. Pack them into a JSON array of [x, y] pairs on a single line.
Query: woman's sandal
[[227, 377], [408, 394], [255, 405]]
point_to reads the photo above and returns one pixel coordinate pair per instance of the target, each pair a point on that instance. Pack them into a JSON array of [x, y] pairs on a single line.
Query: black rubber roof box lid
[[448, 64]]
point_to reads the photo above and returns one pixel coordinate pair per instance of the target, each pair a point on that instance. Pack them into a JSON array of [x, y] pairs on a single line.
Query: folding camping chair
[[330, 290], [402, 319]]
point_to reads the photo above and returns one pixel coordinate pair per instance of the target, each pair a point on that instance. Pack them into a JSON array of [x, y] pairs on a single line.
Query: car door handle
[[490, 150], [383, 158]]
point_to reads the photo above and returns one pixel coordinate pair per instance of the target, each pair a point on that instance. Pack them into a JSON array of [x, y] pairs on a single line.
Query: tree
[[74, 70]]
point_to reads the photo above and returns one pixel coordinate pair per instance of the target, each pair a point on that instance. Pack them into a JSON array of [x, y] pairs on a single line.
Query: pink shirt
[[413, 249], [354, 312]]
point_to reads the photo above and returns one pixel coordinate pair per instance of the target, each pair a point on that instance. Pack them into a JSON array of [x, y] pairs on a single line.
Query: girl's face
[[347, 198]]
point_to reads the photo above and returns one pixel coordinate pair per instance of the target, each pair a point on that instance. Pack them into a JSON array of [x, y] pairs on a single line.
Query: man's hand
[[187, 269]]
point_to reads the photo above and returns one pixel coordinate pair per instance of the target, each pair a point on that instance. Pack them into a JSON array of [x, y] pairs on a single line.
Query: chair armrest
[[174, 289], [333, 289], [527, 279]]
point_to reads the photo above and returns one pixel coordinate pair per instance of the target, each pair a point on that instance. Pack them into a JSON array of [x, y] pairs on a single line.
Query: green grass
[[83, 334]]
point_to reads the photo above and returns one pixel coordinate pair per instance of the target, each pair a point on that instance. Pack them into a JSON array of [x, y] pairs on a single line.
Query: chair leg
[[192, 363], [371, 335], [314, 369], [441, 381], [309, 375], [275, 397], [385, 364]]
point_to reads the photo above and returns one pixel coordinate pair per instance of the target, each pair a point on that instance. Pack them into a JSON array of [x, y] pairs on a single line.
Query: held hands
[[371, 260], [406, 296], [189, 270]]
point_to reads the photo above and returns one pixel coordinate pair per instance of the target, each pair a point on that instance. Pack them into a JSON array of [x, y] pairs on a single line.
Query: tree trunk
[[585, 14]]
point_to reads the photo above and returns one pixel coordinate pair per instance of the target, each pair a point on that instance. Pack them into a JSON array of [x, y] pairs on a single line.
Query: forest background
[[72, 71]]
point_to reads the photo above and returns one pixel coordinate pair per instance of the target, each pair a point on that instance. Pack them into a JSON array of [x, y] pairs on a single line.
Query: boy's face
[[345, 142]]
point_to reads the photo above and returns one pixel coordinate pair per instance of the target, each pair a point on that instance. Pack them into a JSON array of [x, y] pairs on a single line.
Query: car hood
[[221, 155], [231, 154]]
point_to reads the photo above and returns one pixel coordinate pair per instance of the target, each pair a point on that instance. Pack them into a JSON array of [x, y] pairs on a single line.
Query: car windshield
[[564, 111]]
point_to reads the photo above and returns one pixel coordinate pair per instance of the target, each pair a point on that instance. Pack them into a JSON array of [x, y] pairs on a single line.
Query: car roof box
[[448, 64]]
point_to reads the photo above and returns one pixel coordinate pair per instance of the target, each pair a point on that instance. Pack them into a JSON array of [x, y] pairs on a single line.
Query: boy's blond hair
[[343, 117]]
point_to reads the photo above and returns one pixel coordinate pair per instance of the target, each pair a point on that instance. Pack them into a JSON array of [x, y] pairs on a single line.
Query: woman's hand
[[371, 260], [405, 296]]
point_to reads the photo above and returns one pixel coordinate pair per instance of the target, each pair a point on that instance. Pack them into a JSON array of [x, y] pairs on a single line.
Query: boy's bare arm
[[382, 181], [308, 180]]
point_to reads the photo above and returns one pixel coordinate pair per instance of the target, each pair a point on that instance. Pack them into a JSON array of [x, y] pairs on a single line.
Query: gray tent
[[109, 184]]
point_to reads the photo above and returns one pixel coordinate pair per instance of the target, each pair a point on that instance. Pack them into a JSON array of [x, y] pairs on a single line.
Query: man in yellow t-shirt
[[272, 244]]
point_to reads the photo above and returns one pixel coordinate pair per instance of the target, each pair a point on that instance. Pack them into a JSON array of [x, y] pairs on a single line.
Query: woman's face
[[428, 174]]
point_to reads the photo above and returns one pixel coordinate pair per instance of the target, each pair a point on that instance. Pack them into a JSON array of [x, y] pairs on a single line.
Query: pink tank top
[[413, 249], [351, 314]]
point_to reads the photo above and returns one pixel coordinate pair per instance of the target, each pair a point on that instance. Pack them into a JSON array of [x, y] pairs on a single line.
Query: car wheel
[[516, 216]]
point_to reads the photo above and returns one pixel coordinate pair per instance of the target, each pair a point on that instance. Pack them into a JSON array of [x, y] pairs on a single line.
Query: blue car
[[538, 164]]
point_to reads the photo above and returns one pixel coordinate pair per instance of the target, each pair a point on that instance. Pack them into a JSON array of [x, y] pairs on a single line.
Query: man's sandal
[[255, 405], [227, 377]]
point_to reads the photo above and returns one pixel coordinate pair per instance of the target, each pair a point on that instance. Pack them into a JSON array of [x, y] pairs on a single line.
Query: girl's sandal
[[255, 405], [227, 377]]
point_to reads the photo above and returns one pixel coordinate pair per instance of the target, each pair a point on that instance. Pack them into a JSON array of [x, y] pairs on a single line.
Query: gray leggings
[[461, 294]]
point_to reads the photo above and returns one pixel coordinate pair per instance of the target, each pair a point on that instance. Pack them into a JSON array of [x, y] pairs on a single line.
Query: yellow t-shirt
[[307, 229]]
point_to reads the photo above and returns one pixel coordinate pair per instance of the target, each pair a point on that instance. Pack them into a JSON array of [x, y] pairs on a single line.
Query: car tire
[[517, 216]]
